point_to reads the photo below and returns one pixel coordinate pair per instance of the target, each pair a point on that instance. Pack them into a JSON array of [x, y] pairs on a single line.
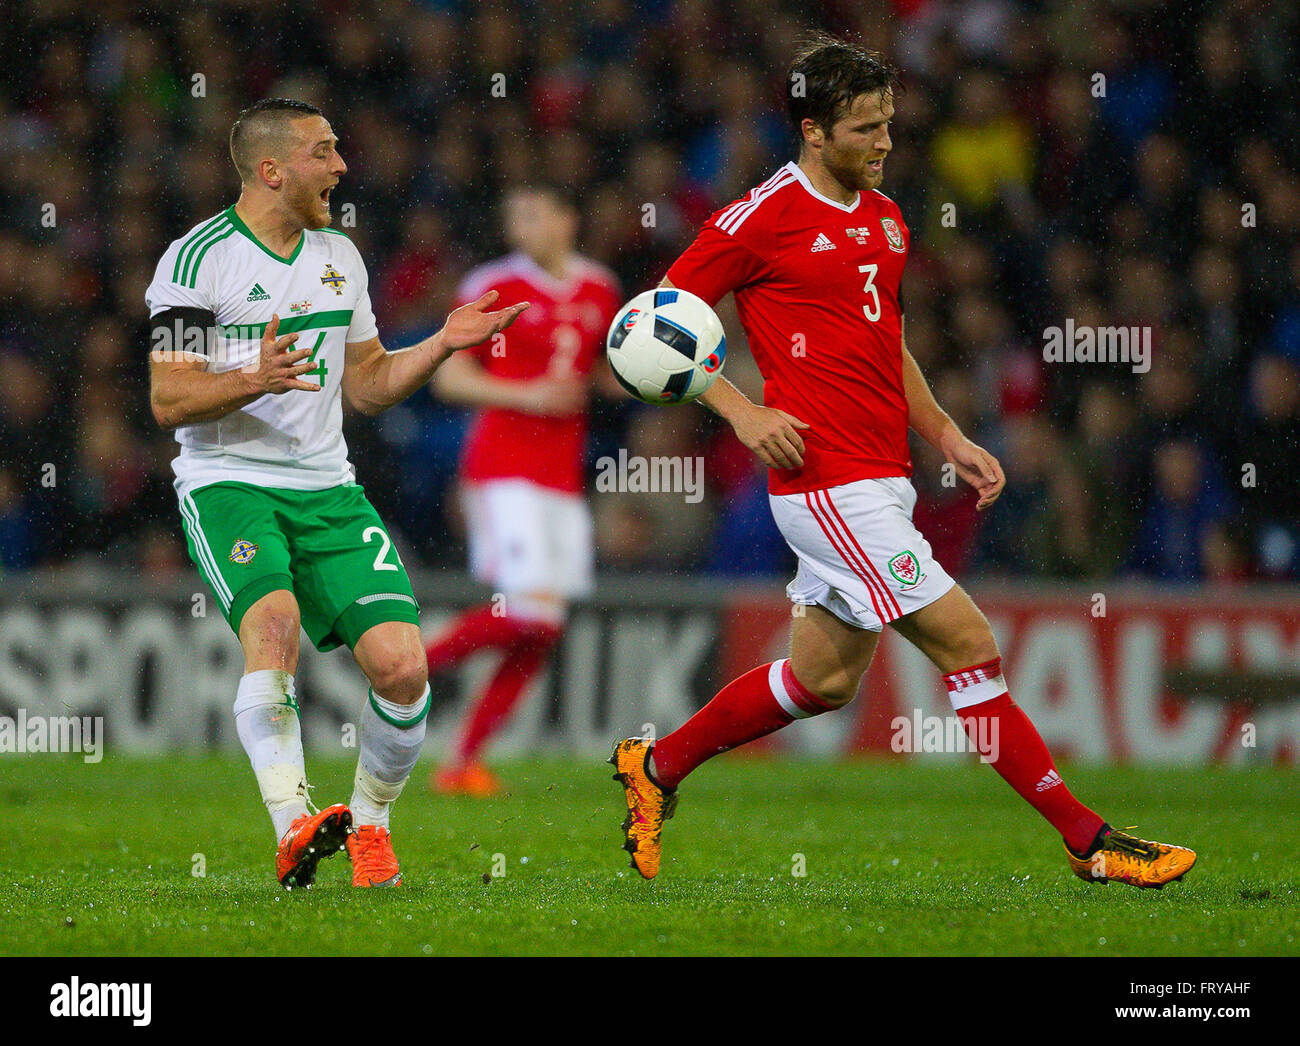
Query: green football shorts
[[328, 547]]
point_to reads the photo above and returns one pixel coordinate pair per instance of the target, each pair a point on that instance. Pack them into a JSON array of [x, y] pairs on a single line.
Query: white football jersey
[[295, 439]]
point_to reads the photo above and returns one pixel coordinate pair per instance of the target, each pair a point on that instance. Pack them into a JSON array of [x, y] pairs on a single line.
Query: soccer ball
[[666, 346]]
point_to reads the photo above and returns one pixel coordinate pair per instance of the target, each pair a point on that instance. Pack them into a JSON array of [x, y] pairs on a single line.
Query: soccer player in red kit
[[522, 478], [814, 256]]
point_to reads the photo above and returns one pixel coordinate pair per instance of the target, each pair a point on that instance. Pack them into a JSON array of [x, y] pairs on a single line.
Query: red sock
[[523, 659], [473, 630], [1000, 729], [761, 701]]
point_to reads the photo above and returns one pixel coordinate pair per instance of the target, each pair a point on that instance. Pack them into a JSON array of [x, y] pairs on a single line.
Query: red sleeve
[[715, 264]]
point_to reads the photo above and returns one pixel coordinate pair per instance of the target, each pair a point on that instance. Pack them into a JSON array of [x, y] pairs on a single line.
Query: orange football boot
[[310, 838], [373, 860], [473, 779], [1124, 858], [648, 805]]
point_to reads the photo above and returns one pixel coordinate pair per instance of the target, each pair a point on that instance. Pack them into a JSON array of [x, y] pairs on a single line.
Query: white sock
[[266, 717], [392, 737]]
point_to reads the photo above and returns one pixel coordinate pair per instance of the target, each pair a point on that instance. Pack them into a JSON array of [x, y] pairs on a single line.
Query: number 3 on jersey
[[873, 310]]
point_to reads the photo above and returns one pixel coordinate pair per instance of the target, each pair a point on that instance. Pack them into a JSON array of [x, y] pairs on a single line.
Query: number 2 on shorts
[[384, 546]]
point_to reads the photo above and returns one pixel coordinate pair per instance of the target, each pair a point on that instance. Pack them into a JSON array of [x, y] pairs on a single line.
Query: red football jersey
[[562, 332], [816, 286]]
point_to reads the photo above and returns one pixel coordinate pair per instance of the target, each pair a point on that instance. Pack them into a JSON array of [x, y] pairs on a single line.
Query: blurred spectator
[[1266, 466], [1010, 541], [19, 548], [985, 154], [746, 541], [625, 534], [1107, 474], [663, 444], [1185, 506], [1225, 558]]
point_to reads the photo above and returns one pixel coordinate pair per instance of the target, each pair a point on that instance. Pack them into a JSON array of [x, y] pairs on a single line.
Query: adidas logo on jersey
[[1050, 780], [822, 243], [257, 294]]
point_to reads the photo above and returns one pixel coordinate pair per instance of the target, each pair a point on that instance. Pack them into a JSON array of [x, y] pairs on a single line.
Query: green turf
[[900, 859]]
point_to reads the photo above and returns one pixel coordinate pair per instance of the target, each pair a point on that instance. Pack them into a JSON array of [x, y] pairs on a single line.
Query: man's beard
[[307, 209], [859, 178]]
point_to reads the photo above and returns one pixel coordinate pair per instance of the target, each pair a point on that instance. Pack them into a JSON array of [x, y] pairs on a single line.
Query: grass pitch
[[897, 859]]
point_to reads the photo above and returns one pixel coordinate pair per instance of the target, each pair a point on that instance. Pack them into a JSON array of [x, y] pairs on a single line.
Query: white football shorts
[[524, 537], [860, 556]]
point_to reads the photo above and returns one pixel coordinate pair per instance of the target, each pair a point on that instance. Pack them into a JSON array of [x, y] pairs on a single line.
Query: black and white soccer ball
[[666, 346]]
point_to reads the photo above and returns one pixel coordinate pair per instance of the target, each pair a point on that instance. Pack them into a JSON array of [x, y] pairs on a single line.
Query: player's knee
[[271, 627], [839, 693], [835, 687], [399, 674]]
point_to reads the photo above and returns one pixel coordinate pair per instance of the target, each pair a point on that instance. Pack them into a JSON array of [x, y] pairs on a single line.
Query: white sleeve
[[179, 283], [363, 326]]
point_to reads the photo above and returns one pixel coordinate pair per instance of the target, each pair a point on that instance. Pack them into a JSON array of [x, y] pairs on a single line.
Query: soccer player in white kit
[[814, 256], [274, 519]]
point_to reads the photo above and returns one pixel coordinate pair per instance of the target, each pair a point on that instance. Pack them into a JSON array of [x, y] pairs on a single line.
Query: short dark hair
[[827, 74], [262, 120], [560, 194]]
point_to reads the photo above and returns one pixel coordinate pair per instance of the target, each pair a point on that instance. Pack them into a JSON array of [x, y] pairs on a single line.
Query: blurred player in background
[[815, 256], [529, 528], [274, 518]]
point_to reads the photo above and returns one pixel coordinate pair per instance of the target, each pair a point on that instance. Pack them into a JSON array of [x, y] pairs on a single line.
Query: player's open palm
[[473, 324], [773, 435], [280, 366], [977, 467]]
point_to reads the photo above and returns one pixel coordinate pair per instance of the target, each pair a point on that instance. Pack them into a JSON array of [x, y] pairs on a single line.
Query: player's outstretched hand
[[472, 324], [772, 435], [278, 369], [977, 467]]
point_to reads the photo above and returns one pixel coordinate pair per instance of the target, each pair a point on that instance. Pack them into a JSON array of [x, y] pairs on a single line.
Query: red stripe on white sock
[[808, 703], [976, 684], [974, 674]]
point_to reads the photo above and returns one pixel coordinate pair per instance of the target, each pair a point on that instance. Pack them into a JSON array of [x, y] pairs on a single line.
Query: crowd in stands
[[1130, 163]]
